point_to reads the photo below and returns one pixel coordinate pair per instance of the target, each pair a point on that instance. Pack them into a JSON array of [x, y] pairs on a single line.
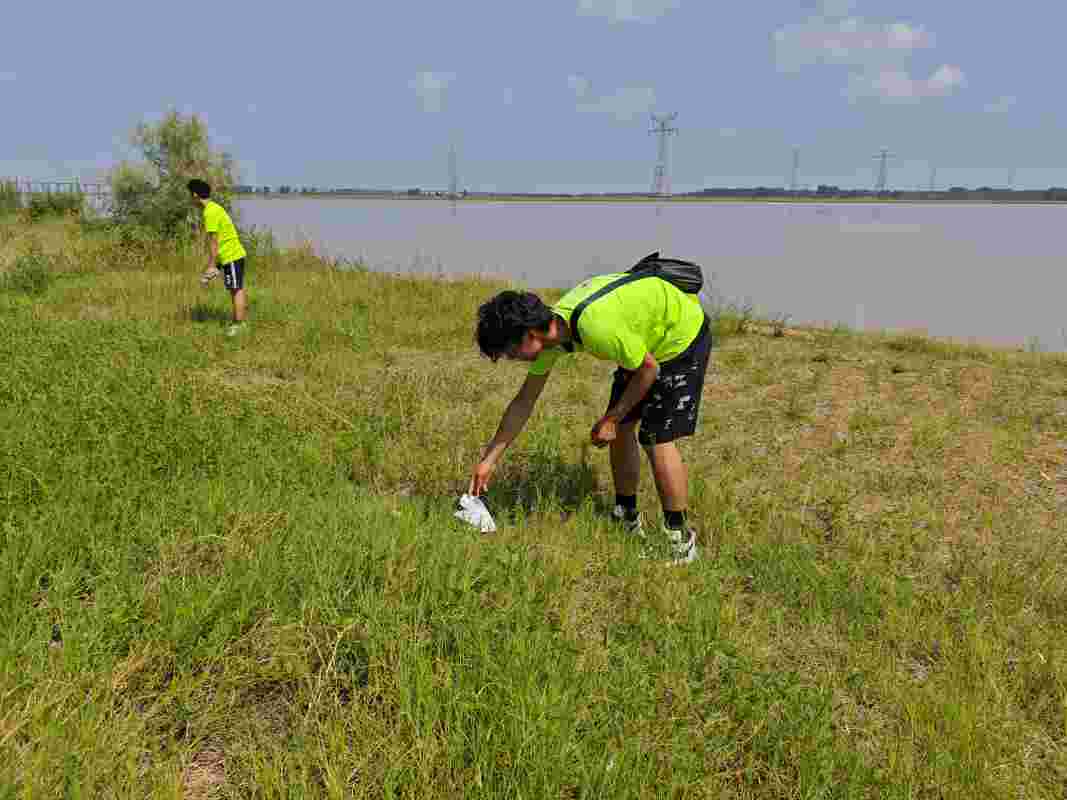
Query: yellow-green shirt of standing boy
[[218, 222]]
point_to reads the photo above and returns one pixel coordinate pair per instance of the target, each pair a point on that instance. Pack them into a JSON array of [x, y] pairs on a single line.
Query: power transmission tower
[[1011, 179], [883, 171], [661, 178], [453, 172], [796, 170], [933, 179]]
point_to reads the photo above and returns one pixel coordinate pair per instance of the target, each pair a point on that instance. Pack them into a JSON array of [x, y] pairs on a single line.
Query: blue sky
[[548, 96]]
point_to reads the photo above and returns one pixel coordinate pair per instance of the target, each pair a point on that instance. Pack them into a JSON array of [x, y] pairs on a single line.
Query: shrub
[[31, 274], [258, 241], [153, 193]]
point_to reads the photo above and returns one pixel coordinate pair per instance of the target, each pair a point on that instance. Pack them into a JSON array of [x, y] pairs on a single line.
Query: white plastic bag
[[473, 511]]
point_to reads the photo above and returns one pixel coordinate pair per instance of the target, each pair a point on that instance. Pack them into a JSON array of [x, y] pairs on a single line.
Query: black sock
[[675, 519], [628, 503]]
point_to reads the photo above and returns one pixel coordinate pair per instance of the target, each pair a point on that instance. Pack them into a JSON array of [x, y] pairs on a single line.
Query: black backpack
[[686, 275]]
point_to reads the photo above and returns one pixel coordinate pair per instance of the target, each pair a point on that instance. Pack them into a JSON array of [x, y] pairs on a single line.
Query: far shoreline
[[651, 199]]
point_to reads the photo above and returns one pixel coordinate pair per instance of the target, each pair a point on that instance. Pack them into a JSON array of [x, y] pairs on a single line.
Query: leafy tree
[[153, 193]]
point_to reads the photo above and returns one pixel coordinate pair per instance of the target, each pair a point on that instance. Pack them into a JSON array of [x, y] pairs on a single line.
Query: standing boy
[[660, 339], [226, 254]]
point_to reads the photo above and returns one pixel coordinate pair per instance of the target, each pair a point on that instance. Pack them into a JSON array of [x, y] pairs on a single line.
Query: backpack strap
[[629, 277]]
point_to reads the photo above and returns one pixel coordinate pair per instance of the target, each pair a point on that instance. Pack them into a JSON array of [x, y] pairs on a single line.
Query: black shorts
[[669, 410], [233, 274]]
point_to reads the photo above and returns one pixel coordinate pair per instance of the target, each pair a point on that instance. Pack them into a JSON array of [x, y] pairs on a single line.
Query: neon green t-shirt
[[218, 222], [646, 316]]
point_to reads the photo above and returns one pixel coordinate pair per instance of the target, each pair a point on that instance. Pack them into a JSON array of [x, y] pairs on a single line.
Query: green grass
[[231, 567]]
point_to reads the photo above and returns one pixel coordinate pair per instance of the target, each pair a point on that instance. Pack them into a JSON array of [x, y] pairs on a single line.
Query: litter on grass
[[472, 510]]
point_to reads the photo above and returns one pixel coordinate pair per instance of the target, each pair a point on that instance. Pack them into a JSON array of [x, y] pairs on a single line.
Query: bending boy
[[660, 339], [226, 254]]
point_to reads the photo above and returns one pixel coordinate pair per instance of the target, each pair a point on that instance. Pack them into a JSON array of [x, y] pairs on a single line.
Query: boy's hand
[[209, 275], [605, 431], [480, 478]]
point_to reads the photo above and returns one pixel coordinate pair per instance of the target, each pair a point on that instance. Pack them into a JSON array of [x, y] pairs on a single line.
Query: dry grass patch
[[204, 777]]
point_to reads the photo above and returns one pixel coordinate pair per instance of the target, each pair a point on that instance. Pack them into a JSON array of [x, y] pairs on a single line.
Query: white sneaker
[[682, 545], [634, 527]]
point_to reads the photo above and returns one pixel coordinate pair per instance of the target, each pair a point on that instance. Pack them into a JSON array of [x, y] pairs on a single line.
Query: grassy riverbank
[[230, 566]]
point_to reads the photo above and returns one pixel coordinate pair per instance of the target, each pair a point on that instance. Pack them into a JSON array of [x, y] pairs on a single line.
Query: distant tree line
[[830, 191], [821, 192]]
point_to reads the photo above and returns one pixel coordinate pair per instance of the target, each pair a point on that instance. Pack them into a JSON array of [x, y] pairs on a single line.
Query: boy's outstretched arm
[[511, 424]]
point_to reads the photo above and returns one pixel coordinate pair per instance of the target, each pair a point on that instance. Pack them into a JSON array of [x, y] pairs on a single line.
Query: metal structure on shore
[[661, 176], [795, 173], [97, 194], [882, 158], [453, 172]]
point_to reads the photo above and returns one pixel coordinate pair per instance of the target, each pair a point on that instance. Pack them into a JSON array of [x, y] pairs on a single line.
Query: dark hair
[[200, 188], [504, 321]]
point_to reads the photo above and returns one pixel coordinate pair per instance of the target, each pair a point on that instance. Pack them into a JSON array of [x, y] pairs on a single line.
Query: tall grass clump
[[152, 193], [9, 198], [31, 274]]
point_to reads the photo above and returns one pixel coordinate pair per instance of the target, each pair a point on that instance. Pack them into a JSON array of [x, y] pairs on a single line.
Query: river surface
[[985, 273]]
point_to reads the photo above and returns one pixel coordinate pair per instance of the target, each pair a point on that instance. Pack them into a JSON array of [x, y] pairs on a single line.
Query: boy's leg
[[672, 477], [626, 475], [233, 276], [626, 460], [240, 304], [671, 414], [672, 481]]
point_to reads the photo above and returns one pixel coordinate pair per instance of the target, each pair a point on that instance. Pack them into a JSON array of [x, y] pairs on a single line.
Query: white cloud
[[7, 76], [877, 55], [623, 104], [430, 88], [1002, 105], [897, 86], [626, 10], [947, 78], [850, 41], [508, 97]]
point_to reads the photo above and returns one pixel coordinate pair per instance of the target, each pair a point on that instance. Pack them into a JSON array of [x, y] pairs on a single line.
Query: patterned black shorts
[[669, 410], [233, 274]]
